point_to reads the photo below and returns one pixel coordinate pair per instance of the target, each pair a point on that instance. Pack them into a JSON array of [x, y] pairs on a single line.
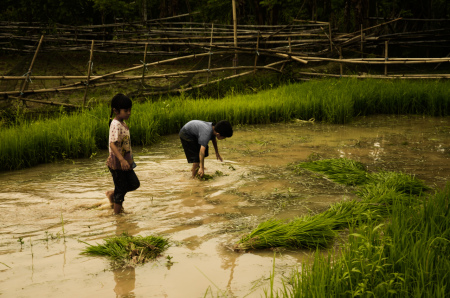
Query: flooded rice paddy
[[49, 211]]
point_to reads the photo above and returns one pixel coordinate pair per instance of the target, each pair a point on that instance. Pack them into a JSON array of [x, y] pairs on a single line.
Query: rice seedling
[[342, 170], [336, 101], [267, 234], [126, 250], [400, 182], [351, 214], [300, 232], [378, 193], [407, 256]]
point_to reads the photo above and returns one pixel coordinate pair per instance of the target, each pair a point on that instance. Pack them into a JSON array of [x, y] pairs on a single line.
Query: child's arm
[[214, 141], [202, 153], [123, 162]]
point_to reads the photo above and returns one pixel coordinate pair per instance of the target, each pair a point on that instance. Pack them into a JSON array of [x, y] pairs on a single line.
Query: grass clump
[[408, 256], [126, 250], [28, 143], [378, 192], [343, 170], [300, 232], [399, 182]]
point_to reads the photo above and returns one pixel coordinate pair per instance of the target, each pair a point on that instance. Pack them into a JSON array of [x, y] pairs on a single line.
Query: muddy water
[[47, 212]]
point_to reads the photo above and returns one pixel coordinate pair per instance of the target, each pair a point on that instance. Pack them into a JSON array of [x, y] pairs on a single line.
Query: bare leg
[[194, 169], [118, 208], [110, 196]]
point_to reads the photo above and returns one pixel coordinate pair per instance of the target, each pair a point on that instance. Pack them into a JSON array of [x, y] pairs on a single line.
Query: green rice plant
[[300, 232], [310, 232], [271, 233], [28, 143], [408, 256], [352, 213], [400, 182], [380, 193], [342, 170], [126, 250]]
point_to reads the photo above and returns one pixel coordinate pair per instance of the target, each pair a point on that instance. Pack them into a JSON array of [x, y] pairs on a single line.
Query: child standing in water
[[120, 161]]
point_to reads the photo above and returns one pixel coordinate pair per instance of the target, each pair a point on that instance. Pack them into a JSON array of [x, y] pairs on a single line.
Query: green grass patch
[[126, 250], [343, 170], [298, 233], [408, 256], [28, 143], [378, 192]]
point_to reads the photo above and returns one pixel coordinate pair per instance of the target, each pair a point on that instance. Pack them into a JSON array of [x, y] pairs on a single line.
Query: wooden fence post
[[257, 52], [340, 64], [144, 67], [362, 41], [89, 74], [210, 53], [30, 69], [331, 42], [235, 34], [386, 56]]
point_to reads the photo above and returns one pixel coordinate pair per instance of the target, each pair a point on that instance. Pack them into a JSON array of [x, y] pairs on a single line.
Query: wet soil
[[50, 212]]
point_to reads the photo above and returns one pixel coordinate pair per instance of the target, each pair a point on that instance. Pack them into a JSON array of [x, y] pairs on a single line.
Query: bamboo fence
[[302, 42]]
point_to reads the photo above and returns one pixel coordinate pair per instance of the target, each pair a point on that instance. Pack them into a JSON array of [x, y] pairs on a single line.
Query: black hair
[[118, 102], [224, 128]]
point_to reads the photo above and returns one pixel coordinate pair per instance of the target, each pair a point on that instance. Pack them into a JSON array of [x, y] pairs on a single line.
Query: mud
[[49, 212]]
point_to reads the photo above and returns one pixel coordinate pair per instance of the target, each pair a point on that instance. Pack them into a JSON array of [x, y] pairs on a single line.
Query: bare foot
[[110, 196], [118, 209]]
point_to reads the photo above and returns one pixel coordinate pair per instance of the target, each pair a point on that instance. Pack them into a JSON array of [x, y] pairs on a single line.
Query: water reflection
[[125, 278], [125, 282]]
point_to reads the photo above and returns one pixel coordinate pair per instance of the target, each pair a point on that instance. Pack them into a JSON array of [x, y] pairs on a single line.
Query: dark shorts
[[192, 149], [124, 181]]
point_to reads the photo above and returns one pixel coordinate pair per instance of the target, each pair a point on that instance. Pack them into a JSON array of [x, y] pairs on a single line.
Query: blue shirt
[[197, 130]]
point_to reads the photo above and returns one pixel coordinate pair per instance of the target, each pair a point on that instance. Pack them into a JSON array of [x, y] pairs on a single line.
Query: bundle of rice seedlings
[[352, 213], [310, 232], [126, 250], [341, 170], [382, 194], [271, 233], [341, 215], [400, 182], [302, 232]]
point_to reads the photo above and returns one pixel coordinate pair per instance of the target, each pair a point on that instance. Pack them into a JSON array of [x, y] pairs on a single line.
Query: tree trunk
[[144, 10], [259, 12]]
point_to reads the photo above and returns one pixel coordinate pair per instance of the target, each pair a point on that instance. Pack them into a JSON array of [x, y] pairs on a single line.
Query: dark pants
[[191, 149], [124, 181]]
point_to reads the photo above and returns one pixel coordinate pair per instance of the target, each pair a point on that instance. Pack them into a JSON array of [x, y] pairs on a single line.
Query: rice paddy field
[[331, 188]]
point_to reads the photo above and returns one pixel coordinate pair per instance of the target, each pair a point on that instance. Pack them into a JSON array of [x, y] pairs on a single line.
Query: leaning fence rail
[[303, 42]]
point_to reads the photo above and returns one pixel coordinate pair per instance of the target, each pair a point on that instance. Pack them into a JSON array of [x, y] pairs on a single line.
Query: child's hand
[[219, 157], [200, 172], [125, 165]]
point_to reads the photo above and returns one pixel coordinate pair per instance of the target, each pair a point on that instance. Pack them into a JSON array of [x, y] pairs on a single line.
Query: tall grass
[[334, 101], [408, 256], [378, 193]]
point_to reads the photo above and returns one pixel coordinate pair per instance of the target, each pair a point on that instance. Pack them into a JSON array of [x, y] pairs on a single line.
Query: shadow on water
[[47, 209]]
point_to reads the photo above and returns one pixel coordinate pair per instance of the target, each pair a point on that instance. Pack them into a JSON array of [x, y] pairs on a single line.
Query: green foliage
[[342, 170], [126, 250], [336, 101], [347, 15], [378, 193], [300, 232], [70, 12], [405, 257]]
